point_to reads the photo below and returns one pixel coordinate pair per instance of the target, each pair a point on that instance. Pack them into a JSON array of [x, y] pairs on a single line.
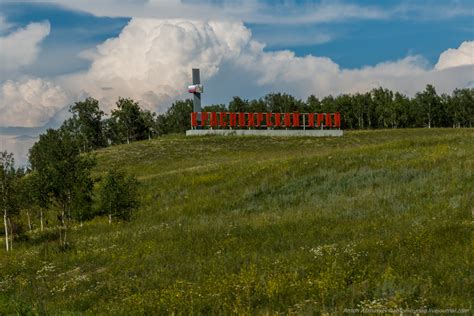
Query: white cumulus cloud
[[151, 60], [30, 102], [462, 56], [21, 47]]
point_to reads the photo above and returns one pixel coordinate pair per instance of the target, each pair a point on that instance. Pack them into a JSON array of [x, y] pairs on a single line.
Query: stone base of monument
[[267, 132]]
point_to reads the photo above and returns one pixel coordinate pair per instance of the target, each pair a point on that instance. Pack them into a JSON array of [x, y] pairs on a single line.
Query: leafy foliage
[[86, 124], [130, 123], [63, 173], [176, 119], [119, 195]]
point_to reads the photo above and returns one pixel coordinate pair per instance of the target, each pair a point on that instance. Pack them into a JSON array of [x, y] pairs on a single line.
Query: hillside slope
[[375, 219]]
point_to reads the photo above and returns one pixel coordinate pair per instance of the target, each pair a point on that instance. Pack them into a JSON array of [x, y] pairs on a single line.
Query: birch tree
[[7, 178], [64, 174], [118, 195]]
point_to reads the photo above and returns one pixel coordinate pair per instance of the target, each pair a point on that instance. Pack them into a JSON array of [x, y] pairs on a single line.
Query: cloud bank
[[462, 56], [30, 102], [21, 47], [150, 61]]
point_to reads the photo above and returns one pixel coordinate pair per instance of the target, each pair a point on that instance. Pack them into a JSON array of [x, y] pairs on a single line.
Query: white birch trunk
[[29, 220], [6, 230], [11, 234], [41, 220]]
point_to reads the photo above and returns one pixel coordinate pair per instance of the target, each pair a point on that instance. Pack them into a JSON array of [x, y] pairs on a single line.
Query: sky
[[55, 53]]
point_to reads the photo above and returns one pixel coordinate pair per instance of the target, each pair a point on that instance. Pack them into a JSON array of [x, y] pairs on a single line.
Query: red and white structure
[[259, 120], [258, 123], [265, 124]]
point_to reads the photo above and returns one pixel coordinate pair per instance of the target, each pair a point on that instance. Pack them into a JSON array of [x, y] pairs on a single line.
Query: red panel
[[213, 119], [277, 119], [259, 119], [222, 117], [328, 120], [269, 119], [311, 119], [337, 120], [194, 117], [320, 119], [232, 119], [296, 119], [204, 118], [287, 118], [241, 119], [251, 122]]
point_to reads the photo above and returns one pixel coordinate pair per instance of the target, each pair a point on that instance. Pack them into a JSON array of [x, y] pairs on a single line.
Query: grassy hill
[[375, 219]]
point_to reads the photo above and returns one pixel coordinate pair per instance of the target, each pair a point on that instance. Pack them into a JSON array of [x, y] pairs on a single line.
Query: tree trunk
[[110, 219], [65, 232], [41, 220], [6, 230], [69, 204], [60, 236], [29, 220], [62, 227], [11, 234]]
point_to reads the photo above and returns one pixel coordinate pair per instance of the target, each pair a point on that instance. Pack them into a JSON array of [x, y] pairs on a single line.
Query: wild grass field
[[249, 225]]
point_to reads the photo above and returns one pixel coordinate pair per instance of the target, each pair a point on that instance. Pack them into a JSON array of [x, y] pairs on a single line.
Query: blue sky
[[57, 52], [351, 43], [72, 31]]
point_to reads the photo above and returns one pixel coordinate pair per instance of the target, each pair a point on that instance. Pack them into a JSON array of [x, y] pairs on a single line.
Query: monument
[[259, 123]]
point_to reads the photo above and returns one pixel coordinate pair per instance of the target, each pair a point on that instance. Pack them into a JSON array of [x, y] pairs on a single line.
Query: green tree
[[33, 198], [119, 195], [151, 127], [257, 106], [401, 107], [177, 118], [128, 122], [86, 124], [64, 174], [278, 102], [343, 104], [8, 201], [360, 104], [461, 107], [238, 105], [430, 107], [313, 104], [383, 105], [214, 108]]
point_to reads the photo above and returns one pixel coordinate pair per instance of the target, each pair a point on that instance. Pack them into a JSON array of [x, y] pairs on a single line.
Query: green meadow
[[249, 225]]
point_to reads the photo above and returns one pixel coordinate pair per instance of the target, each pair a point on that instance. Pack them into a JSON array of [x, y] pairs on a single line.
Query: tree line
[[58, 189], [59, 180], [379, 108]]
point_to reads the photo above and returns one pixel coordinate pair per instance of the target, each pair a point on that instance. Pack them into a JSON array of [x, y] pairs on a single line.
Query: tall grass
[[376, 219]]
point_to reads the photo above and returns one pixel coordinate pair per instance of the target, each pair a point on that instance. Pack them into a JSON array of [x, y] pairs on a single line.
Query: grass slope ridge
[[375, 219]]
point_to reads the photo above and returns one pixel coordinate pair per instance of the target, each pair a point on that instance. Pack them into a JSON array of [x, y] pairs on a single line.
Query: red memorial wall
[[223, 120]]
